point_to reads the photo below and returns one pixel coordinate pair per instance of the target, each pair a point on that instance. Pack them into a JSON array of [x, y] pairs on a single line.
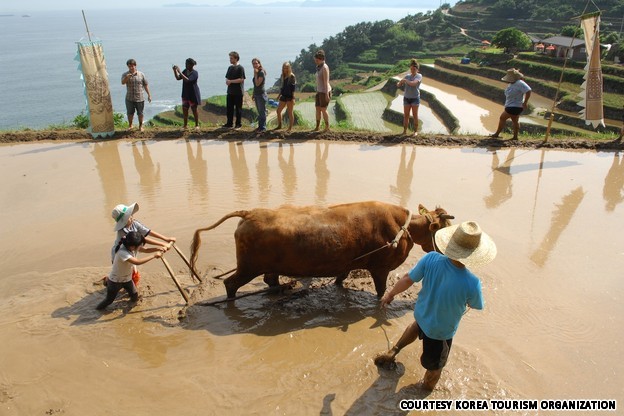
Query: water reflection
[[198, 168], [149, 174], [405, 174], [614, 183], [240, 173], [109, 168], [560, 220], [322, 173], [500, 187], [289, 172], [263, 171]]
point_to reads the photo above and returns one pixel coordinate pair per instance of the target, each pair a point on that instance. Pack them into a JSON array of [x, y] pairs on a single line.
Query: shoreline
[[213, 133]]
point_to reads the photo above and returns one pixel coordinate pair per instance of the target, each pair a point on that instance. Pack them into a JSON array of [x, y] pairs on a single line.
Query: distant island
[[319, 3]]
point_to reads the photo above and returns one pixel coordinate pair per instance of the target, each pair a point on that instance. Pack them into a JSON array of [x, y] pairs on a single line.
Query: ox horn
[[447, 217]]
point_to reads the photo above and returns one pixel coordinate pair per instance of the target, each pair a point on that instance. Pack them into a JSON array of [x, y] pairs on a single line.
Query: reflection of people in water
[[405, 174], [240, 172], [501, 180], [322, 173], [614, 183], [561, 218], [289, 172], [262, 169], [199, 171], [149, 174], [111, 173]]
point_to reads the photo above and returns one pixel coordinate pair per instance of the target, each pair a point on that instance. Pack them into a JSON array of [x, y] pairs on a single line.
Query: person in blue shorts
[[411, 96], [448, 287]]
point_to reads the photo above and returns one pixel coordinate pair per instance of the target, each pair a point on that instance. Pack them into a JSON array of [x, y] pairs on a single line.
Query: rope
[[394, 243]]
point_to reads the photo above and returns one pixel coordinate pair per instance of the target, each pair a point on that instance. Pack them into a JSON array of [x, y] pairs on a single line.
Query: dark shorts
[[514, 111], [131, 106], [286, 99], [188, 103], [408, 102], [322, 99], [435, 352]]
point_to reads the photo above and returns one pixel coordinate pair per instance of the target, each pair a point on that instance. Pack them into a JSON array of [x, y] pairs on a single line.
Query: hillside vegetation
[[372, 53]]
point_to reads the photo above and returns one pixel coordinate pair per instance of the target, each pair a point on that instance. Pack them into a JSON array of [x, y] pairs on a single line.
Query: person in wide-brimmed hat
[[126, 223], [447, 288], [517, 96]]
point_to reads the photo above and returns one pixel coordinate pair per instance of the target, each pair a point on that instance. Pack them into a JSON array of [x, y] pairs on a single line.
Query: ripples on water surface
[[551, 327]]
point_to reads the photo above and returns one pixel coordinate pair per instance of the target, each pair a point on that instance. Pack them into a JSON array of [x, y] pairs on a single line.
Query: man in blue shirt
[[447, 288]]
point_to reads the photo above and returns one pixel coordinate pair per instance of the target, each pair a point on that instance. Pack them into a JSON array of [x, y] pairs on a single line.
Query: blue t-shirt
[[514, 93], [446, 290]]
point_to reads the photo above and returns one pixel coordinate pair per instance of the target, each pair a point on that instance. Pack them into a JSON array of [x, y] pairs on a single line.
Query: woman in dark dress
[[190, 90]]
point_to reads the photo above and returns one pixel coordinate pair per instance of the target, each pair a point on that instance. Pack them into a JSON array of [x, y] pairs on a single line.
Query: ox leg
[[271, 279], [235, 282], [340, 278], [379, 278]]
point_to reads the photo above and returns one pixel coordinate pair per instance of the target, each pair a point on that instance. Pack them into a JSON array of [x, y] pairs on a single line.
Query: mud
[[344, 136]]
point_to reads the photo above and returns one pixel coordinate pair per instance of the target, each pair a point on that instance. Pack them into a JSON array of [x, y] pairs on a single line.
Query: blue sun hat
[[121, 213]]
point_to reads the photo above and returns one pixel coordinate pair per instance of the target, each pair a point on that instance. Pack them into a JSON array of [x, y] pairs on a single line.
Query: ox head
[[434, 220]]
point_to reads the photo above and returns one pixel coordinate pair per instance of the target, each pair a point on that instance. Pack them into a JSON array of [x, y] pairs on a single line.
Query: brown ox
[[323, 242]]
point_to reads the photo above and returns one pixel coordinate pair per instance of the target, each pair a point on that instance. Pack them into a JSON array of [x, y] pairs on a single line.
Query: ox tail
[[197, 239]]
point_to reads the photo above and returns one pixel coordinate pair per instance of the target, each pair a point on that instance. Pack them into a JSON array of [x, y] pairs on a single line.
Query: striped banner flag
[[591, 90], [97, 91]]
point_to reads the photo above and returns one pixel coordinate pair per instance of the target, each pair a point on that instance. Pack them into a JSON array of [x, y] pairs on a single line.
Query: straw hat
[[512, 75], [121, 213], [466, 243]]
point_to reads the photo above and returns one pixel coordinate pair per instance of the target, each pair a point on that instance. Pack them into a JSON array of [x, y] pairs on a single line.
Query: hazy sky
[[30, 5]]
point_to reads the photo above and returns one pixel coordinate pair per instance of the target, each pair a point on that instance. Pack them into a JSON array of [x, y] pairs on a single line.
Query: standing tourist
[[286, 96], [234, 79], [259, 93], [517, 96], [135, 83], [447, 288], [190, 90], [411, 96], [323, 90]]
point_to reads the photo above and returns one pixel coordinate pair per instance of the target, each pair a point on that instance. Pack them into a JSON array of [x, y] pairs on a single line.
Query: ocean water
[[40, 83]]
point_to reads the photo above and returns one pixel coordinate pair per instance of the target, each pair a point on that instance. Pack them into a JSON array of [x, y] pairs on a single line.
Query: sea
[[40, 81]]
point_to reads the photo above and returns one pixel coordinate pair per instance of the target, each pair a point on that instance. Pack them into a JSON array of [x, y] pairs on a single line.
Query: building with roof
[[564, 46]]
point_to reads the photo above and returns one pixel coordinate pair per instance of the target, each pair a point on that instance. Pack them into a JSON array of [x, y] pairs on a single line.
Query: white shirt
[[122, 269]]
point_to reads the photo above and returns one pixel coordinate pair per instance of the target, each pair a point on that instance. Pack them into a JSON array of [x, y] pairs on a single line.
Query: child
[[123, 263], [125, 223]]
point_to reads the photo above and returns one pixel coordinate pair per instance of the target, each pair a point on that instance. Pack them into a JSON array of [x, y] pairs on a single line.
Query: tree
[[512, 40], [572, 31]]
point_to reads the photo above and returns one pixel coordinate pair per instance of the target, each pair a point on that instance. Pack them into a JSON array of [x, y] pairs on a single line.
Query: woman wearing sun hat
[[447, 288], [126, 223], [517, 96]]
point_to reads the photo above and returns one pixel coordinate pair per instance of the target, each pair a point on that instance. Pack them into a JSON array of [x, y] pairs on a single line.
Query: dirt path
[[211, 133]]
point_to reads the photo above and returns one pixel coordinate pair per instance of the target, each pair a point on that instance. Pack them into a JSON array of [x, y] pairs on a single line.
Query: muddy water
[[551, 327]]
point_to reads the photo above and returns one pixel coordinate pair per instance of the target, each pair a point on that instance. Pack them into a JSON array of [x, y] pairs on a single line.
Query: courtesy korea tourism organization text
[[589, 405]]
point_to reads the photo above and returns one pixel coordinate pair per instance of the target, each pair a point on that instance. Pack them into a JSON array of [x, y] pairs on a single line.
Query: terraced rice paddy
[[366, 110]]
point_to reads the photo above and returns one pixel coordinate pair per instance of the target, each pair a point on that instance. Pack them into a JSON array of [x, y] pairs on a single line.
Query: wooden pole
[[184, 295], [87, 26], [193, 272]]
